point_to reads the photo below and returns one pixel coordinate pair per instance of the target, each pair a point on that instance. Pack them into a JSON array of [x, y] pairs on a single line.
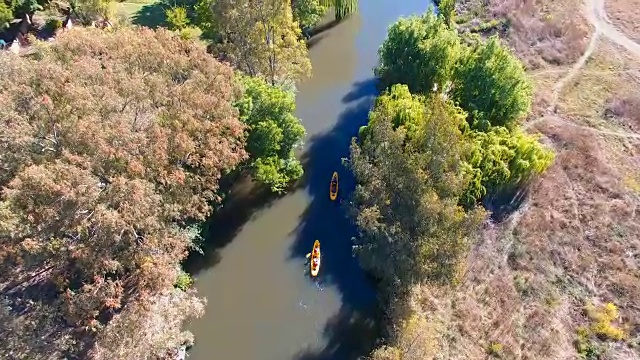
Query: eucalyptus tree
[[110, 140], [260, 38]]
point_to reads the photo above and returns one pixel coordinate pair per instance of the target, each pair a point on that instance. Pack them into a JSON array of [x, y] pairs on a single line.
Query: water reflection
[[261, 305], [334, 62], [352, 330]]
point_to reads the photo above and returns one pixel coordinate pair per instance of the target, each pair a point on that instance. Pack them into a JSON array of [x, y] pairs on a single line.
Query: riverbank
[[535, 285]]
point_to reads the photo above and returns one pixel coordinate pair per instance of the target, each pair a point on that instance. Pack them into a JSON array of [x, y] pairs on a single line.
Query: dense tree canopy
[[485, 79], [491, 84], [423, 163], [439, 142], [501, 160], [441, 138], [307, 12], [273, 132], [493, 161], [410, 179], [108, 139], [419, 51], [261, 38]]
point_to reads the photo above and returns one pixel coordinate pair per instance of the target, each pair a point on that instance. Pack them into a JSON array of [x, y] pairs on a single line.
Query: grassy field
[[148, 13]]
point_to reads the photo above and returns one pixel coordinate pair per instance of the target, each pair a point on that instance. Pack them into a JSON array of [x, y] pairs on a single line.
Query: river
[[261, 306]]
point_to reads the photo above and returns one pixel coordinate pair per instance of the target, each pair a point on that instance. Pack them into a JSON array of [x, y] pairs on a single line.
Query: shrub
[[184, 281], [587, 348], [177, 18], [91, 10], [602, 318], [495, 349], [53, 24], [189, 33]]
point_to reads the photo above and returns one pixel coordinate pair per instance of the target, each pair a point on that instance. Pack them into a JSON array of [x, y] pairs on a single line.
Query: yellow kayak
[[333, 188], [315, 259]]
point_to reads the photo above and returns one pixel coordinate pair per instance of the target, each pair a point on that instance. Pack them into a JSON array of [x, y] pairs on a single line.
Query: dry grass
[[625, 110], [577, 242], [542, 32], [577, 239], [625, 14], [609, 72]]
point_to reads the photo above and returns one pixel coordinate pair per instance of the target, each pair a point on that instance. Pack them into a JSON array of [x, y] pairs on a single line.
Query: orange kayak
[[333, 188], [315, 259]]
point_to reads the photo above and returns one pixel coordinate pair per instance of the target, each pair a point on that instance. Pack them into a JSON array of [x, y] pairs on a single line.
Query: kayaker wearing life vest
[[315, 255]]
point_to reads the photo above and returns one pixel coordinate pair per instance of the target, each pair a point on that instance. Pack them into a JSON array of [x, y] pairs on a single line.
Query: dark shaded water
[[261, 305]]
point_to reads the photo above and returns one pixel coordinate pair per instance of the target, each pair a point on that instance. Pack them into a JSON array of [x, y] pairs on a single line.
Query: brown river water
[[261, 304]]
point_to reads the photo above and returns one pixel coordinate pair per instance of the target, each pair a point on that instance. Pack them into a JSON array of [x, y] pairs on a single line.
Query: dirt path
[[575, 68], [628, 135], [597, 16]]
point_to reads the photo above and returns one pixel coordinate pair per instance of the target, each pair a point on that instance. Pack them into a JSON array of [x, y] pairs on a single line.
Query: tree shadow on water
[[351, 334], [315, 40], [244, 201], [325, 220], [323, 26], [360, 90]]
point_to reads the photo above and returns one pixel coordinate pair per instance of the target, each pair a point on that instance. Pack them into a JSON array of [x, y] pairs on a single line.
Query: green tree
[[204, 19], [90, 10], [110, 140], [341, 8], [409, 232], [307, 12], [419, 51], [492, 86], [260, 38], [410, 177], [6, 16], [502, 160], [273, 132], [433, 130], [447, 8], [25, 9], [177, 18]]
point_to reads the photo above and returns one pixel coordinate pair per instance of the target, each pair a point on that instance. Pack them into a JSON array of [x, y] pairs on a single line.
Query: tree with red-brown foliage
[[108, 141]]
